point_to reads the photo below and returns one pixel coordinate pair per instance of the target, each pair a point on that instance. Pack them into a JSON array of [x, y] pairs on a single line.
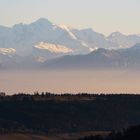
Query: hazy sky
[[102, 15], [70, 81]]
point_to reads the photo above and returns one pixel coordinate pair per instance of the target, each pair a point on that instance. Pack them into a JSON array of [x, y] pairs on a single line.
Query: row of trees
[[132, 133]]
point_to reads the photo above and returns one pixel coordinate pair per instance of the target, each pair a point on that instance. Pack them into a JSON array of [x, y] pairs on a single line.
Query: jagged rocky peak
[[43, 21]]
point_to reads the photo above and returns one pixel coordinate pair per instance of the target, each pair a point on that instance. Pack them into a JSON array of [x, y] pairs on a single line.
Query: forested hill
[[49, 113]]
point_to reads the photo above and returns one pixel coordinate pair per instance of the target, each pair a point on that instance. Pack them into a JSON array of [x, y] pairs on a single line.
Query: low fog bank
[[99, 81]]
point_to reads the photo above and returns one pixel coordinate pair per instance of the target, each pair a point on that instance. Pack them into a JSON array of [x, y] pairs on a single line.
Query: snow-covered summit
[[54, 48], [59, 39], [6, 51]]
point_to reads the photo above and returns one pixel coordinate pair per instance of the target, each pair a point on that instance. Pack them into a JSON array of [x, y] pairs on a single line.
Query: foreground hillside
[[53, 114]]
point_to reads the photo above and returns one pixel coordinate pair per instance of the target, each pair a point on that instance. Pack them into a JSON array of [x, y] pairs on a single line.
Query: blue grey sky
[[104, 16]]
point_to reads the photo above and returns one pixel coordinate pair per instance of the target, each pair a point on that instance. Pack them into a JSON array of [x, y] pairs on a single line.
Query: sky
[[104, 16]]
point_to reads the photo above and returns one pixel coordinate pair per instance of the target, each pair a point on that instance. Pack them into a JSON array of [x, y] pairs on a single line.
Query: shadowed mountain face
[[100, 59]]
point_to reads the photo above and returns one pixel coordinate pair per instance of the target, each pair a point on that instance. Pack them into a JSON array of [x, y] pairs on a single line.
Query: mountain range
[[101, 58], [43, 43]]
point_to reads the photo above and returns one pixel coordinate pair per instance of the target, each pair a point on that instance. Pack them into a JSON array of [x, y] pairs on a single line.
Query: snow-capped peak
[[6, 51], [64, 27], [54, 48], [93, 49], [43, 20], [116, 34]]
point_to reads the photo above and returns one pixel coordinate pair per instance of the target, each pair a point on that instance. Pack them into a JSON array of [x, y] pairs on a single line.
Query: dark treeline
[[132, 133], [52, 113]]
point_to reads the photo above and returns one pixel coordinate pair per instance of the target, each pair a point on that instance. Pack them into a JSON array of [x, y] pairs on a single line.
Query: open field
[[65, 136]]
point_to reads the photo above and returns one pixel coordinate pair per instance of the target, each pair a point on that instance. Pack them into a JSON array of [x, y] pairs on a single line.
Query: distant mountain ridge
[[99, 59], [42, 40]]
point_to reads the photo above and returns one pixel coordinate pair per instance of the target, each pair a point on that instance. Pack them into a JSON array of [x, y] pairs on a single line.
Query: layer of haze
[[104, 16], [70, 81]]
